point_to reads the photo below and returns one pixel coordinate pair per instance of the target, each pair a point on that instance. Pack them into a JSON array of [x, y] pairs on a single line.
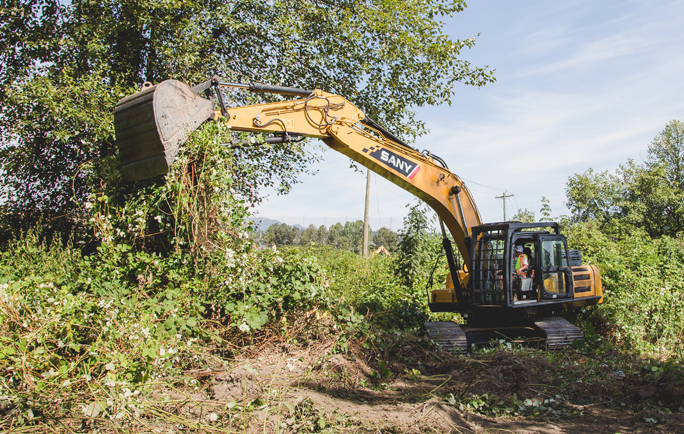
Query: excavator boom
[[489, 290], [152, 124]]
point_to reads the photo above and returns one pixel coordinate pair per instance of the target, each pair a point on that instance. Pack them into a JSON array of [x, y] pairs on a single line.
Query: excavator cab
[[555, 275], [502, 302]]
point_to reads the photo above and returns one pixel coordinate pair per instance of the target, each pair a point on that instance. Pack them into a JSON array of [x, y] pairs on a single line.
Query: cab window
[[554, 256]]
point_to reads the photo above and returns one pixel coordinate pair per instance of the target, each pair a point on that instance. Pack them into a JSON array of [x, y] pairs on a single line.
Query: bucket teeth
[[153, 124]]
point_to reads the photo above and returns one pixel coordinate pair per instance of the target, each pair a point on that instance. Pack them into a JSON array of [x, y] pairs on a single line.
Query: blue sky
[[580, 84]]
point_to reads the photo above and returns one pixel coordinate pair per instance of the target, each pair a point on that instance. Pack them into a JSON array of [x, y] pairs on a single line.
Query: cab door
[[556, 277]]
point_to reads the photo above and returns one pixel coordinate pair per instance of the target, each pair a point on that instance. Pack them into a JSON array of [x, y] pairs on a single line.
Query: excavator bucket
[[154, 123]]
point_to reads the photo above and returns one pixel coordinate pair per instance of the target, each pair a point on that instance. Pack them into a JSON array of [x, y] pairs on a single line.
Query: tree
[[524, 216], [63, 66], [545, 210], [281, 234], [418, 247], [322, 234], [593, 196], [660, 187], [353, 236], [648, 196], [335, 233], [386, 237], [667, 151], [309, 236]]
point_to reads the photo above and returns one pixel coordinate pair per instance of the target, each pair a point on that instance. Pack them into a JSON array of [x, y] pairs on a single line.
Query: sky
[[580, 85]]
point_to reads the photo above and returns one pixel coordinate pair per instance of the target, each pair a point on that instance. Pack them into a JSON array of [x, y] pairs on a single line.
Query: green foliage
[[107, 323], [53, 138], [489, 405], [346, 237], [545, 210], [629, 224], [593, 196], [66, 64], [281, 234], [313, 234], [391, 289], [524, 216], [68, 321], [387, 238], [169, 266], [643, 291], [418, 249], [648, 196], [371, 285], [194, 207]]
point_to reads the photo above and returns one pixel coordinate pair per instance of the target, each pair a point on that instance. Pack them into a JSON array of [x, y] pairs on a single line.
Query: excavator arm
[[152, 124], [345, 128], [172, 110]]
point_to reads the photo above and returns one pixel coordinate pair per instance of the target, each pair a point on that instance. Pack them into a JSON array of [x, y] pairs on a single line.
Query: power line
[[516, 203], [483, 192], [401, 195], [482, 185]]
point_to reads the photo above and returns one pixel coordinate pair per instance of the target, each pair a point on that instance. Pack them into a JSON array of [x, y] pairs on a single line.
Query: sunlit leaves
[[63, 66], [648, 196]]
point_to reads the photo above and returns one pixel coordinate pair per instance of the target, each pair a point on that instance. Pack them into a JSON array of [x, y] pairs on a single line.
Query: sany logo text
[[407, 167]]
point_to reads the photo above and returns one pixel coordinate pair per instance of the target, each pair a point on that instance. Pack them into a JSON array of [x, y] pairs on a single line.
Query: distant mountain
[[262, 223]]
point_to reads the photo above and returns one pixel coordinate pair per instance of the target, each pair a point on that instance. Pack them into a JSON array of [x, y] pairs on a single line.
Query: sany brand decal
[[407, 167]]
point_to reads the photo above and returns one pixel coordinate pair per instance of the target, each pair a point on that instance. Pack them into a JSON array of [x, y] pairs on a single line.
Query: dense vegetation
[[150, 304], [107, 288], [64, 65], [628, 223]]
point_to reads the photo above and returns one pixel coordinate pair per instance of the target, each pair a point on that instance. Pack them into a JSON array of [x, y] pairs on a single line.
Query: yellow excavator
[[486, 283]]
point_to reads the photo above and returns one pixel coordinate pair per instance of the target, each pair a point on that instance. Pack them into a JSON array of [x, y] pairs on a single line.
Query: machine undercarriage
[[553, 332]]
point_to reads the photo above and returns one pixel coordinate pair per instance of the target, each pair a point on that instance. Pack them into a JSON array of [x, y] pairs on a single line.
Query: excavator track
[[559, 332], [448, 335], [452, 337]]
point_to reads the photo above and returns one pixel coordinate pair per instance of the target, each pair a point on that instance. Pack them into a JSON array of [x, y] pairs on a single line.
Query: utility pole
[[504, 196], [364, 248]]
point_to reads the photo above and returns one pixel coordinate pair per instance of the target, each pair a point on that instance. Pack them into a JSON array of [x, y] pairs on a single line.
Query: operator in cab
[[522, 263]]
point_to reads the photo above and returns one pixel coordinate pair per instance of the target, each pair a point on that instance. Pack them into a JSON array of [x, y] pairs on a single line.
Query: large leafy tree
[[63, 66], [649, 196]]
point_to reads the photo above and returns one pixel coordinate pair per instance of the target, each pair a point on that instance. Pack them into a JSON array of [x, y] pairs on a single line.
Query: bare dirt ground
[[413, 387]]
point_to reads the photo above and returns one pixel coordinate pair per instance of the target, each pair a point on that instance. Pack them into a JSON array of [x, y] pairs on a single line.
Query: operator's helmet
[[519, 249]]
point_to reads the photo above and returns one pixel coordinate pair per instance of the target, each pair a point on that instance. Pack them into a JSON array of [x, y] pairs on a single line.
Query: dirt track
[[305, 390]]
